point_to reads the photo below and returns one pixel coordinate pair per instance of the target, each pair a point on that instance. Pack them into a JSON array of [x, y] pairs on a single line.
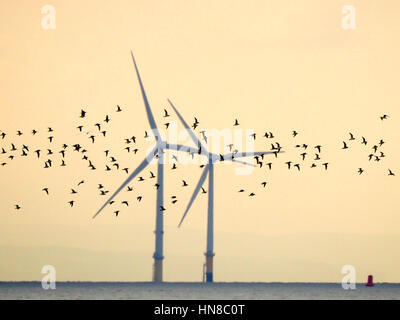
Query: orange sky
[[274, 65]]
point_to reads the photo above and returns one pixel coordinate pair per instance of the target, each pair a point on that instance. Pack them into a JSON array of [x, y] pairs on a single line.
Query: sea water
[[195, 291]]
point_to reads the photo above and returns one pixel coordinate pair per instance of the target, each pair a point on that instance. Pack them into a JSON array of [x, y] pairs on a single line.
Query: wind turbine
[[158, 150], [209, 171]]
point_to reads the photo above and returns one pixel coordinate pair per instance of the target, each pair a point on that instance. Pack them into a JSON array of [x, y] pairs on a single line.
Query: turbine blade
[[141, 166], [196, 192], [191, 133], [248, 154], [146, 102], [180, 147], [241, 162]]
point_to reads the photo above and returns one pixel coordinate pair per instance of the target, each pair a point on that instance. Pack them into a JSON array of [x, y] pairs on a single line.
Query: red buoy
[[370, 282]]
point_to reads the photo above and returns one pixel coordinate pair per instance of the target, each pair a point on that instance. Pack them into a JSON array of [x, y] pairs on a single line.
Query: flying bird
[[364, 141]]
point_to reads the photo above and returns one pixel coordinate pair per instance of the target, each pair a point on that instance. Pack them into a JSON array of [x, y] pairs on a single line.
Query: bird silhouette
[[166, 113], [297, 166], [269, 165], [236, 122], [264, 184], [390, 173], [203, 133], [294, 133], [119, 108], [364, 141], [203, 190], [344, 145], [71, 203], [288, 164], [17, 207], [125, 202], [325, 165], [195, 124], [139, 198], [252, 194], [385, 116], [184, 183], [351, 136], [83, 113], [116, 213], [107, 119], [360, 171], [318, 148]]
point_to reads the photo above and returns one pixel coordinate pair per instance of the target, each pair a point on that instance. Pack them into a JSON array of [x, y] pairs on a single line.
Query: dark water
[[199, 291]]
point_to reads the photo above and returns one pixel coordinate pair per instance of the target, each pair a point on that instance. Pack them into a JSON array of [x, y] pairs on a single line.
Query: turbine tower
[[209, 170], [158, 150]]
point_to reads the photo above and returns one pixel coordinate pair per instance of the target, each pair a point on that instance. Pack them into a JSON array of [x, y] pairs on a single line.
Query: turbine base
[[158, 270]]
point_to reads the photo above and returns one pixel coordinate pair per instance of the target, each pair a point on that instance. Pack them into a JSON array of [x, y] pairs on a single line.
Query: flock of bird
[[313, 153]]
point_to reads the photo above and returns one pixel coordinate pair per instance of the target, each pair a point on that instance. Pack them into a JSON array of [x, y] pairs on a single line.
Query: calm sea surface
[[191, 291]]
